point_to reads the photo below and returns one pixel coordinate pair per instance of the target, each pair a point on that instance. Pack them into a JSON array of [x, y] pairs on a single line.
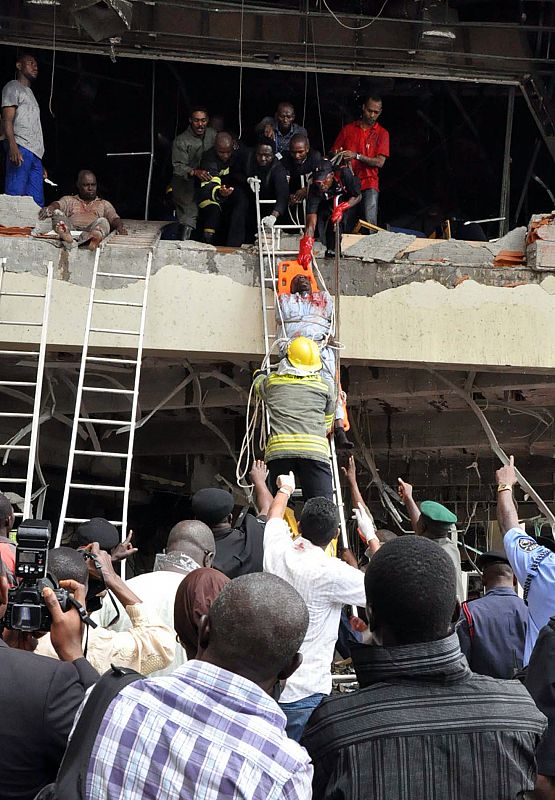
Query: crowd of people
[[212, 188], [211, 675], [220, 659]]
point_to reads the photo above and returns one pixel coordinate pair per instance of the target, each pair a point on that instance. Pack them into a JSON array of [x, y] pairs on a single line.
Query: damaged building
[[444, 340]]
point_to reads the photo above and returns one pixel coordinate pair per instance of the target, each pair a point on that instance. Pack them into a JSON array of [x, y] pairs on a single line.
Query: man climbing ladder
[[300, 404]]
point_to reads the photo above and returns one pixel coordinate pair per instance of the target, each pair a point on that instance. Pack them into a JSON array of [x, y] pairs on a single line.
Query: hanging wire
[[240, 110], [317, 87], [306, 60], [356, 27], [53, 64]]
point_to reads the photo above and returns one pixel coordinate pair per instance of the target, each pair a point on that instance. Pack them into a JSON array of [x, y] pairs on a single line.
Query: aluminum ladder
[[15, 385], [269, 248], [268, 279], [136, 336]]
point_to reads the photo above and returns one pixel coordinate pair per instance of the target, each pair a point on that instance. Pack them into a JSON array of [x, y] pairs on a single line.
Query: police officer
[[435, 522], [492, 629], [533, 561]]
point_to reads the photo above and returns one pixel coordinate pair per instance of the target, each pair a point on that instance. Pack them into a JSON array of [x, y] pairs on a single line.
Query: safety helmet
[[304, 354]]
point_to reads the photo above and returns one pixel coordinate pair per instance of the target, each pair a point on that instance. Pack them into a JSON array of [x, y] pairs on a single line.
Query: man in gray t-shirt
[[25, 146]]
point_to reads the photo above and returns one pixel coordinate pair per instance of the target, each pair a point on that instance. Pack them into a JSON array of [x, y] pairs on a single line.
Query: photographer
[[146, 646], [39, 697]]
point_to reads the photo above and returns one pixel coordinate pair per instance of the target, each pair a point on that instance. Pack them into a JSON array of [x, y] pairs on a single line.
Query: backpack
[[71, 778]]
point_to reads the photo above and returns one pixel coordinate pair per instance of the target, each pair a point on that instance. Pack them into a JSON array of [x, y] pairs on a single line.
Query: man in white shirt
[[325, 584]]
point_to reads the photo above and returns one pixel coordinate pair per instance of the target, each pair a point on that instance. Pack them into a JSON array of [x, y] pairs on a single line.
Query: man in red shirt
[[366, 143]]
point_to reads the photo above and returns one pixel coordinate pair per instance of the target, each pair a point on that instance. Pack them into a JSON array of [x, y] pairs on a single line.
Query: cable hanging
[[240, 109], [355, 27]]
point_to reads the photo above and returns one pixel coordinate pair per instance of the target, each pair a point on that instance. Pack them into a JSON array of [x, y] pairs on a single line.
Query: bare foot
[[63, 232], [95, 240]]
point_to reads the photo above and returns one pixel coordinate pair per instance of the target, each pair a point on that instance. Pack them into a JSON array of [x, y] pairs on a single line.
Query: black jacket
[[39, 697]]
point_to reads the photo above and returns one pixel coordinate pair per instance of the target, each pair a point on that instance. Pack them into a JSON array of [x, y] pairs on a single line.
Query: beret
[[437, 512], [98, 530], [212, 505]]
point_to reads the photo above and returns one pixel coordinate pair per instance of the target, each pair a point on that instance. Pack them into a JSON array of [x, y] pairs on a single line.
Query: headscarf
[[195, 594]]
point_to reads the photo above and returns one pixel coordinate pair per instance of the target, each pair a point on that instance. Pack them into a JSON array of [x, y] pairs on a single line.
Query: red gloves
[[338, 211], [305, 251]]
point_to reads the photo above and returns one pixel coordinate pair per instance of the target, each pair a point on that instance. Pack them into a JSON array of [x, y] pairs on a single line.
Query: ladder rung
[[122, 275], [18, 513], [271, 336], [117, 303], [18, 383], [19, 353], [13, 322], [106, 390], [99, 453], [21, 294], [85, 519], [270, 280], [13, 480], [101, 421], [98, 486], [16, 414], [270, 308], [106, 360], [114, 330], [14, 446]]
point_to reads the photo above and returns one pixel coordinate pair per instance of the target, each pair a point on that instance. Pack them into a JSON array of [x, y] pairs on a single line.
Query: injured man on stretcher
[[305, 311], [84, 218]]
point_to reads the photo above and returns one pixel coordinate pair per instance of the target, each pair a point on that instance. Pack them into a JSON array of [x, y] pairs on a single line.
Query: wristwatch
[[504, 487], [357, 156]]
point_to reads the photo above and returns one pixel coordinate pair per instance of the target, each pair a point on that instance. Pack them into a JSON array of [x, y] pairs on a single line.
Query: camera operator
[[147, 645], [39, 697]]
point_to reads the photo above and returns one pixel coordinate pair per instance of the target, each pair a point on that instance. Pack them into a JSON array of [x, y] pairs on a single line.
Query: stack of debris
[[540, 242], [390, 247]]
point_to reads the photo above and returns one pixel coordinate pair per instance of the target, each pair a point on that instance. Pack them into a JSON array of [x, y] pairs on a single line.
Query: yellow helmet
[[304, 354]]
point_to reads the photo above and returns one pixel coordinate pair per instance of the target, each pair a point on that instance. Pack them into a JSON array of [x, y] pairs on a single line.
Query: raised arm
[[262, 495], [507, 515], [405, 493]]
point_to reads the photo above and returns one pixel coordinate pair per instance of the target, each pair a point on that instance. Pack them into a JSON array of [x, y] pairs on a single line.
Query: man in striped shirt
[[211, 730], [422, 725]]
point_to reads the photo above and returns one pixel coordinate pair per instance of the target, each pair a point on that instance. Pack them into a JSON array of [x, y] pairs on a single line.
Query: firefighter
[[301, 406]]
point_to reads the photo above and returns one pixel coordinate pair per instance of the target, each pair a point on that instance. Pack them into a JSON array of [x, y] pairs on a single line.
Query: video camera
[[27, 609]]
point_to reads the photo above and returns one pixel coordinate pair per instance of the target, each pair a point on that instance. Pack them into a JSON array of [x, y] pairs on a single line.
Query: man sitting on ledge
[[84, 212]]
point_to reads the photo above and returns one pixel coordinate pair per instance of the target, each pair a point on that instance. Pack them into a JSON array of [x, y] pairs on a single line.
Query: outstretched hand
[[286, 482], [124, 549], [507, 474], [405, 490]]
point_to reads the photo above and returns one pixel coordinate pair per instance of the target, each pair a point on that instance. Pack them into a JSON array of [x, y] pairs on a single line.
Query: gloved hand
[[252, 183], [365, 523], [286, 482], [305, 251], [269, 221], [338, 211]]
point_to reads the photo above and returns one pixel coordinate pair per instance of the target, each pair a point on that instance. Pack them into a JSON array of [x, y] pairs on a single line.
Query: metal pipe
[[151, 164], [506, 179], [527, 179]]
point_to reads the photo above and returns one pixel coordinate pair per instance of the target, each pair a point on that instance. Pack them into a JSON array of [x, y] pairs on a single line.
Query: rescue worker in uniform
[[331, 197], [301, 405]]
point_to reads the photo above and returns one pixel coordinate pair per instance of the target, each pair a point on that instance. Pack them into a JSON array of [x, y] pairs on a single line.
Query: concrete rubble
[[390, 247]]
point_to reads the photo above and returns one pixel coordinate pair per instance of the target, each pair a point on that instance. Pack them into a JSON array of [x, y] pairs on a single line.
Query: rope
[[317, 87], [240, 114], [53, 65], [355, 27]]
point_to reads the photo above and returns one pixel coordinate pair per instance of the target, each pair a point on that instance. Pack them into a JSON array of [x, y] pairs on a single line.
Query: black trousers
[[314, 477], [228, 218]]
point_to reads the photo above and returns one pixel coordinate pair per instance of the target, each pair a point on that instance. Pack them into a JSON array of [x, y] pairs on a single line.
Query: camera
[[27, 609]]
